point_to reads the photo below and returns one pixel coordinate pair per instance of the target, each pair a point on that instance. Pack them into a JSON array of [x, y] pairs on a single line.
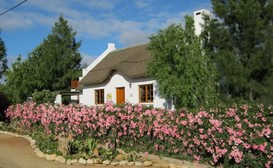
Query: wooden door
[[120, 95]]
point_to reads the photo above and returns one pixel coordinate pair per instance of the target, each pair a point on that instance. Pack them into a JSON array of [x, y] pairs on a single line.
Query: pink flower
[[203, 136], [146, 154], [244, 107], [254, 146], [215, 158], [213, 129], [175, 150], [236, 154], [199, 121], [267, 165], [262, 147], [196, 141], [216, 123], [184, 123], [156, 146], [239, 126], [204, 144], [246, 145], [237, 118], [197, 158], [245, 120], [266, 132], [182, 115], [231, 112]]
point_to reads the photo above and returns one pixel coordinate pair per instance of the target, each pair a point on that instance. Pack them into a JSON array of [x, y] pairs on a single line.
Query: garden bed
[[235, 136]]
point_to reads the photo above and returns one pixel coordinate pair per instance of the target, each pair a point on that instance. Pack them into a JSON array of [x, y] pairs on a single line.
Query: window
[[146, 93], [99, 96]]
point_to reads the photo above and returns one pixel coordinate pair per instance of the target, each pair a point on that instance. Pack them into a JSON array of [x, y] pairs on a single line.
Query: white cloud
[[120, 26], [13, 21], [81, 15], [90, 27], [141, 3], [94, 28], [102, 4], [87, 59], [55, 7], [134, 37], [177, 19], [12, 59]]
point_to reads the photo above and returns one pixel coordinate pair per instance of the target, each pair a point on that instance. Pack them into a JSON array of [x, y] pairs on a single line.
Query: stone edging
[[61, 159]]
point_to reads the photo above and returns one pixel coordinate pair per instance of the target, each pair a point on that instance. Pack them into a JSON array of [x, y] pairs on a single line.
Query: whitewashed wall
[[131, 93], [58, 99]]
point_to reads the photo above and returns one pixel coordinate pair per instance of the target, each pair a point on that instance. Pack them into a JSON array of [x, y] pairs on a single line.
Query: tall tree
[[183, 73], [59, 57], [241, 40], [50, 66], [3, 59]]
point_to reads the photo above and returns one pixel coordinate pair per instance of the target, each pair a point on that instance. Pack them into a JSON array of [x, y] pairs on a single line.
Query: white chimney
[[198, 20], [111, 46]]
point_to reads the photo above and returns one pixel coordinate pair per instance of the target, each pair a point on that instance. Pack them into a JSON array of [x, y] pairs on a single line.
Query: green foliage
[[45, 142], [108, 154], [184, 74], [132, 156], [3, 59], [77, 147], [84, 147], [4, 103], [240, 40], [44, 96], [91, 145], [66, 100], [22, 80], [50, 66], [59, 58]]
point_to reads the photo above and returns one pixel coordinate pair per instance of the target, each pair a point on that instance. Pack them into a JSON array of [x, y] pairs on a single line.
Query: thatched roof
[[131, 62]]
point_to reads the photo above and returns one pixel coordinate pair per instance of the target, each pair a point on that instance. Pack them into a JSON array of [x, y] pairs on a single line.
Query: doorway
[[120, 95]]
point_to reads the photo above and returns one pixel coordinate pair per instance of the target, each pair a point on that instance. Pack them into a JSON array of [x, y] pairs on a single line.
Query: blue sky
[[97, 22]]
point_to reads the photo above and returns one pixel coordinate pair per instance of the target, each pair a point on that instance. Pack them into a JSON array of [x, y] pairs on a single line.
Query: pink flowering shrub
[[238, 136]]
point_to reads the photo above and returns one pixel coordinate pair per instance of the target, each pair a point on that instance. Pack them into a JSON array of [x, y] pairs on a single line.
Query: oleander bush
[[233, 136]]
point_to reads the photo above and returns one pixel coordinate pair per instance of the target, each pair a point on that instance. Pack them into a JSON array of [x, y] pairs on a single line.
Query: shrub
[[46, 143], [4, 104], [235, 136], [44, 96]]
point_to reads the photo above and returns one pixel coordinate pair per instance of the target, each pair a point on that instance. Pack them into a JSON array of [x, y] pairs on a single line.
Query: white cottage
[[121, 76]]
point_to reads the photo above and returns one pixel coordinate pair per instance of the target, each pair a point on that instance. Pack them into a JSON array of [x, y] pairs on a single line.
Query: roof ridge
[[121, 49]]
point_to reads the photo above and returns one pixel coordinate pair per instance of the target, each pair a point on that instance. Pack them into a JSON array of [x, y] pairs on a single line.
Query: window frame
[[99, 96], [149, 93]]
